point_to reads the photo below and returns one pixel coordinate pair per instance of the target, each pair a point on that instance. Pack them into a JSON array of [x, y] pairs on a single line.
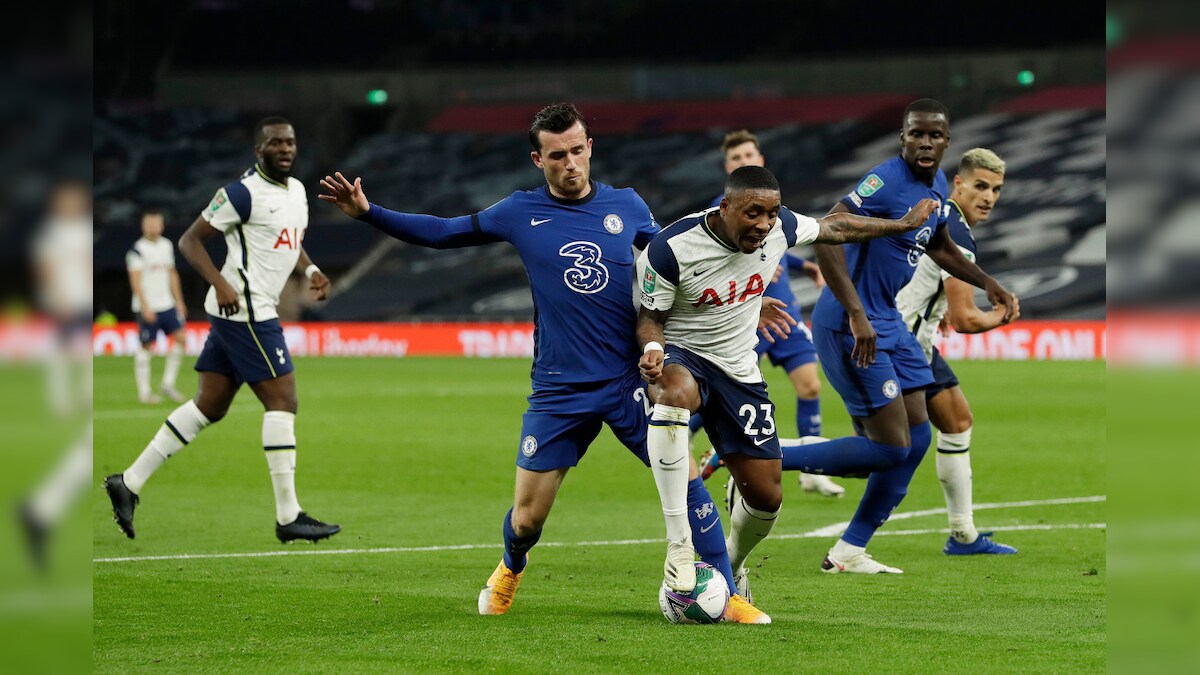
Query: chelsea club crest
[[612, 223]]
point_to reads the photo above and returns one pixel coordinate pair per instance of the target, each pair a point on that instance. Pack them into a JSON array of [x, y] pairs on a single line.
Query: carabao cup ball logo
[[922, 240], [612, 223], [528, 446], [587, 274]]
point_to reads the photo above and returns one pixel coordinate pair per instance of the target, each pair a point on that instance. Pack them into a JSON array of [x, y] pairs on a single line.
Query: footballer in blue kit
[[576, 238], [867, 351]]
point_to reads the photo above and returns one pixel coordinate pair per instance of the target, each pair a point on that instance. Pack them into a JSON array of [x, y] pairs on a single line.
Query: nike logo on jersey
[[534, 223], [276, 209], [758, 442], [699, 272]]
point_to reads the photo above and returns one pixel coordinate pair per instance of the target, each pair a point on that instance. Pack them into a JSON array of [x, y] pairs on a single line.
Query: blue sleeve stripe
[[135, 251], [239, 197], [789, 222], [663, 260]]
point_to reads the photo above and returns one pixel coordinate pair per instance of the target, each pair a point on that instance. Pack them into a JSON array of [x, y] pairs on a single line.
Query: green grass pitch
[[415, 453]]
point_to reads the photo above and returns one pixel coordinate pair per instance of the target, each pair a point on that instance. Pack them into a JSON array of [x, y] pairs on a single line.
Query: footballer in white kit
[[931, 295], [157, 302], [263, 217], [701, 283]]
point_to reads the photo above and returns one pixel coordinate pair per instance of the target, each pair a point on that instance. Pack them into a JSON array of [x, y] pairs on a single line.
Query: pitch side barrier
[[1022, 341]]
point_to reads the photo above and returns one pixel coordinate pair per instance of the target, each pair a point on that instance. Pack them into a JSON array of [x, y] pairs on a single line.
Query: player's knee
[[526, 520], [214, 411], [809, 389], [890, 455], [960, 423], [676, 396]]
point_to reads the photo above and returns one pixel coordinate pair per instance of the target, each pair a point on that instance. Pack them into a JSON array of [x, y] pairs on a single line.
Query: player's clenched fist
[[651, 365]]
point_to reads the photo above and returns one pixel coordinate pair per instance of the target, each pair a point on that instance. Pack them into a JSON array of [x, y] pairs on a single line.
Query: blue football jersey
[[780, 289], [880, 267], [579, 255]]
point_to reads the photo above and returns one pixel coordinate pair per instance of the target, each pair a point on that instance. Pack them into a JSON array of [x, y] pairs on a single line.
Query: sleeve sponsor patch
[[649, 281], [217, 201], [870, 185], [855, 198]]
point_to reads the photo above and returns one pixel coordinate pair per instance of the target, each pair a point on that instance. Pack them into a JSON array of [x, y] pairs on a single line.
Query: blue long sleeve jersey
[[579, 257]]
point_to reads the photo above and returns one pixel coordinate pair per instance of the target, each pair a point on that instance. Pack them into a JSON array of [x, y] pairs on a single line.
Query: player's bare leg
[[278, 397], [676, 396], [213, 397], [756, 495], [532, 500], [807, 384], [951, 415]]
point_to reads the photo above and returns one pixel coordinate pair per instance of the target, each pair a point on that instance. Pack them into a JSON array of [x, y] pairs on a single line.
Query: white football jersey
[[264, 224], [155, 260], [922, 302], [63, 248], [714, 292]]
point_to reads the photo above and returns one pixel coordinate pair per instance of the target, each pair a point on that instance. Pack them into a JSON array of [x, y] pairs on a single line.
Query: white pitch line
[[838, 528], [135, 413], [814, 534]]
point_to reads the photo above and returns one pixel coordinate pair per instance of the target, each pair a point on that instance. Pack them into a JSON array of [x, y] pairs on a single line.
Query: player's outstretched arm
[[947, 255], [191, 245], [418, 229], [842, 227], [965, 317], [650, 326]]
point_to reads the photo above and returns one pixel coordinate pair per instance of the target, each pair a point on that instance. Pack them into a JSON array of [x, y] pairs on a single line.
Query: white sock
[[174, 359], [181, 427], [748, 526], [843, 550], [69, 480], [279, 442], [141, 371], [954, 472], [667, 444]]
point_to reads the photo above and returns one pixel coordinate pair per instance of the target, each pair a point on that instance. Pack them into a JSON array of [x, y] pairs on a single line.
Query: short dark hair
[[750, 178], [926, 105], [154, 211], [271, 121], [736, 138], [555, 118]]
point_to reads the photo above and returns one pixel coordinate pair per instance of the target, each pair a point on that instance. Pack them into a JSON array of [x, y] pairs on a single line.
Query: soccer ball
[[705, 604]]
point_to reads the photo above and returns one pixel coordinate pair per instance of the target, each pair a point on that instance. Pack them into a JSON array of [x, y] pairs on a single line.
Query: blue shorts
[[738, 417], [900, 366], [943, 377], [166, 321], [564, 419], [797, 350], [245, 352]]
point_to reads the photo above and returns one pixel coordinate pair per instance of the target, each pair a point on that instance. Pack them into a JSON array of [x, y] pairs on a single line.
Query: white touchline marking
[[838, 528], [814, 534], [157, 412]]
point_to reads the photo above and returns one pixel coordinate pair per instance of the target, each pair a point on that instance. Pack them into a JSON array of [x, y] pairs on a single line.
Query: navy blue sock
[[808, 416], [696, 423], [516, 547], [886, 489], [849, 456], [707, 535]]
